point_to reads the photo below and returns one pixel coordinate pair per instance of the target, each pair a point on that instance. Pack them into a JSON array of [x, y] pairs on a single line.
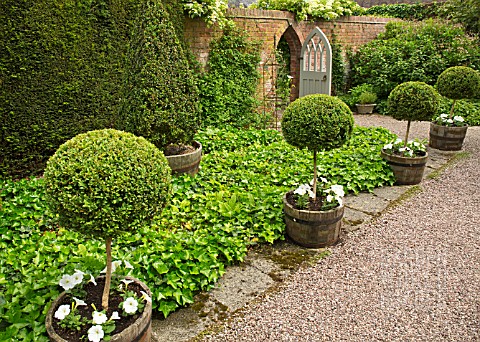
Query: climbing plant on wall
[[318, 9], [228, 88]]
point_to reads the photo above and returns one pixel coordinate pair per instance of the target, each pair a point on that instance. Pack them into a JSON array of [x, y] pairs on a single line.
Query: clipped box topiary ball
[[317, 122], [459, 83], [106, 182], [413, 101]]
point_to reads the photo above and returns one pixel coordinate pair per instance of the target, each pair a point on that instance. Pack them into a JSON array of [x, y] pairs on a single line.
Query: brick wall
[[370, 3], [269, 26]]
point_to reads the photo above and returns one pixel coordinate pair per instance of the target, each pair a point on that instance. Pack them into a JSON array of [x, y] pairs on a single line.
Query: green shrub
[[352, 98], [459, 83], [228, 90], [104, 182], [412, 51], [69, 66], [60, 75], [416, 11], [317, 122], [367, 98], [160, 98], [413, 101]]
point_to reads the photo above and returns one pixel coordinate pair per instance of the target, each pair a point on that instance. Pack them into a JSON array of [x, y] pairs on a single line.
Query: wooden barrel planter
[[139, 331], [313, 229], [365, 108], [407, 170], [447, 138], [186, 163]]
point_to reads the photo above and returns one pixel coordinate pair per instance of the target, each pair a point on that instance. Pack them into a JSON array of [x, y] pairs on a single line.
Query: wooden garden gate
[[316, 64]]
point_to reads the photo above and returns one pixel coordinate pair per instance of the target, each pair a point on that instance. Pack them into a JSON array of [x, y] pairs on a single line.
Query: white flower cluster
[[413, 147], [335, 192], [68, 281], [444, 120], [96, 332]]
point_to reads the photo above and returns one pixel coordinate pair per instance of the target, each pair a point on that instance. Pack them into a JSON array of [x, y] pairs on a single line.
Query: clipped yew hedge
[[160, 102], [60, 68], [71, 66]]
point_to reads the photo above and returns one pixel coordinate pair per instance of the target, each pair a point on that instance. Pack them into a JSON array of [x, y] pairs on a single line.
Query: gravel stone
[[411, 274]]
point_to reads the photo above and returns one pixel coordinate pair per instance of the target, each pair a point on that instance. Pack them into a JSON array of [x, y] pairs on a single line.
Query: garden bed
[[213, 219]]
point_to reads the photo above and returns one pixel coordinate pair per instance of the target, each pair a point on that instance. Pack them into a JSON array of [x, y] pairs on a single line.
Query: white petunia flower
[[126, 282], [339, 200], [77, 277], [388, 147], [338, 190], [302, 189], [67, 282], [450, 121], [99, 317], [130, 305], [62, 312], [330, 198], [79, 302], [92, 280], [443, 116], [95, 333], [323, 179], [146, 297], [115, 315], [398, 141], [458, 118], [115, 264]]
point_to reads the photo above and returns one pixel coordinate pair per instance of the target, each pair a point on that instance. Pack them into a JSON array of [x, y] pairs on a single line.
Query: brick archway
[[295, 46]]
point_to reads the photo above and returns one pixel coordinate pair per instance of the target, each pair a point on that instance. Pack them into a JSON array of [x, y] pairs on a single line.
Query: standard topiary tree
[[412, 101], [105, 182], [457, 83], [318, 122]]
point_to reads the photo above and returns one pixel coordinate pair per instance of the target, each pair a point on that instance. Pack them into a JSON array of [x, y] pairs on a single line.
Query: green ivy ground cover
[[234, 202]]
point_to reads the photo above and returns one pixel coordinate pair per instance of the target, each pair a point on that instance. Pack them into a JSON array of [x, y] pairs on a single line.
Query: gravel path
[[411, 275]]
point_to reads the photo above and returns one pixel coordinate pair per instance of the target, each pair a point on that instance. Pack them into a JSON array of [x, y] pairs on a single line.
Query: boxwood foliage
[[107, 181], [459, 83], [413, 101], [160, 99], [412, 51], [318, 122]]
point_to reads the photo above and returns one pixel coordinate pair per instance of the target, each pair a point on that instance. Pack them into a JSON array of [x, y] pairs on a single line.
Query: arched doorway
[[294, 46]]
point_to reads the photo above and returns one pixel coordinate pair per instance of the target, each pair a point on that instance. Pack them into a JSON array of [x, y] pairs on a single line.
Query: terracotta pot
[[447, 138], [407, 170], [365, 108], [186, 163], [139, 331], [313, 229]]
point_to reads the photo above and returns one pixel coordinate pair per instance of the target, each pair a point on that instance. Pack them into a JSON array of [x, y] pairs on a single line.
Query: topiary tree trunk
[[108, 275]]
